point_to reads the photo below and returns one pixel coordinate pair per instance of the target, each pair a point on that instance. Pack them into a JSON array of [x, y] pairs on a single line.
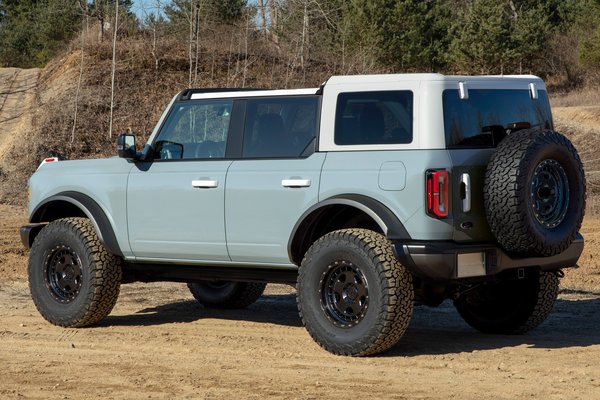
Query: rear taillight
[[437, 193]]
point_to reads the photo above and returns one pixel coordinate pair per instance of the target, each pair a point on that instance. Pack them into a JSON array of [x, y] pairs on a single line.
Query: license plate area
[[470, 264]]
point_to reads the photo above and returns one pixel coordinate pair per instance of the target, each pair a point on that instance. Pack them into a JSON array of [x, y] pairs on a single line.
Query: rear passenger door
[[276, 179]]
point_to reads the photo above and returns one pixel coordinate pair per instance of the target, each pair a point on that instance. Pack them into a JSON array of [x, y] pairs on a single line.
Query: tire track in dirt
[[160, 343], [18, 90]]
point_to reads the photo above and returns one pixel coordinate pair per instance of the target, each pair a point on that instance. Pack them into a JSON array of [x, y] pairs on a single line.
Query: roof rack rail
[[187, 93]]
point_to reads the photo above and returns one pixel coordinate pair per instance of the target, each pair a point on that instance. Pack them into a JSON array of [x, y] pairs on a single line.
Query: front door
[[175, 204]]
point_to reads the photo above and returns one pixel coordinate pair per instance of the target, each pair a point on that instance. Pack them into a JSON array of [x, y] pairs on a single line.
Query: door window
[[280, 127], [195, 130]]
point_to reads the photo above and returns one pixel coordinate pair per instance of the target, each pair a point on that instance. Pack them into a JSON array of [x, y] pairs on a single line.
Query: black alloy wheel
[[345, 294], [549, 192], [63, 274]]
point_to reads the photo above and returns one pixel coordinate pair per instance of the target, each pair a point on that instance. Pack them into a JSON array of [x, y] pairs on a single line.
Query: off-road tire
[[97, 281], [226, 294], [525, 222], [381, 319], [513, 306]]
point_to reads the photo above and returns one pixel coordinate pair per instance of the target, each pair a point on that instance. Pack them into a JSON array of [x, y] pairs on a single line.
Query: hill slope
[[37, 120], [582, 125], [18, 89]]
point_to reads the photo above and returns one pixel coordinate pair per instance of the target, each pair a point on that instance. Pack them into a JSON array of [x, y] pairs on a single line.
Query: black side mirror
[[126, 146]]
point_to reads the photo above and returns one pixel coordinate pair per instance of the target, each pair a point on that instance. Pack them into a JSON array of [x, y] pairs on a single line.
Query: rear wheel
[[354, 296], [226, 294], [512, 306]]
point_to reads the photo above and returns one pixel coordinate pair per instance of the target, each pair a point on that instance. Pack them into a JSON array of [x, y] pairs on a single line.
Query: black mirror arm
[[147, 153]]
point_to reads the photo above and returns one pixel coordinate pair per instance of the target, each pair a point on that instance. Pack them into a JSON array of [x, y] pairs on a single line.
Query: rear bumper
[[29, 232], [440, 261]]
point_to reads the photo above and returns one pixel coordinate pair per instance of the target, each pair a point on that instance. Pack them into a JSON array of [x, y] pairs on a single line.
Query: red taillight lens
[[437, 193]]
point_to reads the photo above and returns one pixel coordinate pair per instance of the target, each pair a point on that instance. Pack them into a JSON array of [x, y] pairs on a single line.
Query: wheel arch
[[75, 204], [339, 212]]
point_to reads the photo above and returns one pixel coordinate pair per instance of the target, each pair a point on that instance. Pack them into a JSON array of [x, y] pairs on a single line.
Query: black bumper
[[439, 261], [29, 232]]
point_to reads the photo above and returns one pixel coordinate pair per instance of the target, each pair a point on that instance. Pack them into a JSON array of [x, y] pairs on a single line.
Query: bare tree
[[273, 19], [98, 12], [304, 41], [153, 18], [114, 67], [194, 40], [84, 23], [263, 16], [155, 23]]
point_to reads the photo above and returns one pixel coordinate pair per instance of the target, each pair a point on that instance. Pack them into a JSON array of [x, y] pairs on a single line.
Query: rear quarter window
[[384, 117], [483, 119]]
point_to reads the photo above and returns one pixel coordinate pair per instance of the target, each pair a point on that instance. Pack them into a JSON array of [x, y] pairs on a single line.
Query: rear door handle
[[465, 182], [295, 183], [205, 183]]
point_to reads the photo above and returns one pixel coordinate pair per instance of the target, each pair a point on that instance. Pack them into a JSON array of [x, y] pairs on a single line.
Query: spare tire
[[534, 193]]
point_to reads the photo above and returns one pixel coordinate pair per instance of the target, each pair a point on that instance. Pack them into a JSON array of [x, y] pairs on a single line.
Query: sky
[[140, 5], [150, 6]]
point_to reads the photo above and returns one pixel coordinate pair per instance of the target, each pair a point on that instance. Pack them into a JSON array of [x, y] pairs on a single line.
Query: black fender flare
[[90, 208], [388, 222]]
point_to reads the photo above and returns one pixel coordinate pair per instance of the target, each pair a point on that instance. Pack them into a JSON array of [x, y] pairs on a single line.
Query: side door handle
[[205, 183], [295, 183]]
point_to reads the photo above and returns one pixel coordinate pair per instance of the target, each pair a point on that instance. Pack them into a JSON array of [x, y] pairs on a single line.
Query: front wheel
[[513, 306], [74, 281], [354, 296]]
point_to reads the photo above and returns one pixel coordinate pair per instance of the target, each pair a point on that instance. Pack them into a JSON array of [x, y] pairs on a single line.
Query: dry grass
[[581, 97], [582, 125]]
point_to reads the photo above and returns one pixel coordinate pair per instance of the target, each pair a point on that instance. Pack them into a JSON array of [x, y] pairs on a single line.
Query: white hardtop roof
[[253, 93], [367, 79], [346, 79]]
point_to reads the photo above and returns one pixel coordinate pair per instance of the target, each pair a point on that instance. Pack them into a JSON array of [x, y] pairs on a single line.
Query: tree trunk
[[83, 23], [191, 42], [263, 17], [273, 16], [304, 39], [114, 67]]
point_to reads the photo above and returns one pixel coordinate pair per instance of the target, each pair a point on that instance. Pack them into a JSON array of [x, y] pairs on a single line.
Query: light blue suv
[[369, 193]]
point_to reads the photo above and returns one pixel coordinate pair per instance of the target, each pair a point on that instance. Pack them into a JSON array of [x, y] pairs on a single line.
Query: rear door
[[175, 204], [276, 179], [474, 126]]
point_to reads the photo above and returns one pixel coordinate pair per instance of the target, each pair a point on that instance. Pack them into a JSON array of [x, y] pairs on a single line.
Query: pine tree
[[32, 31]]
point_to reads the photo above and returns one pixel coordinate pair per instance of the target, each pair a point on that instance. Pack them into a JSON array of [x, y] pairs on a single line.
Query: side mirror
[[126, 146]]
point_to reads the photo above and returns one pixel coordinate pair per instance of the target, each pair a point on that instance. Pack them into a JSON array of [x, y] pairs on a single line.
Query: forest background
[[95, 81]]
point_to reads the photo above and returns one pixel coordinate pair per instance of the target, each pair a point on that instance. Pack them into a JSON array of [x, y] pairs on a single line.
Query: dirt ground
[[159, 343]]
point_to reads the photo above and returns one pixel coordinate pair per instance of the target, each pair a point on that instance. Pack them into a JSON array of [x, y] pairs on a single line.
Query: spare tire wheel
[[534, 193]]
